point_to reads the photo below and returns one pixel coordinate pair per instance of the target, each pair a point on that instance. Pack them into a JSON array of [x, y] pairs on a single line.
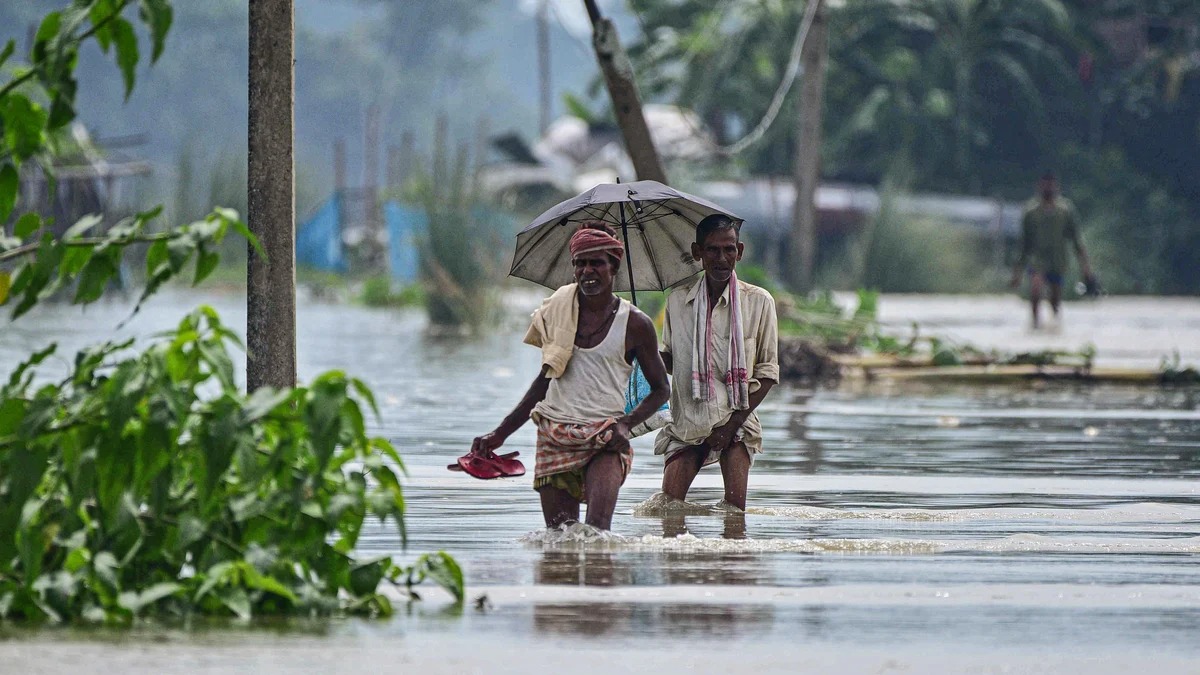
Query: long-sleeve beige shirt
[[691, 420]]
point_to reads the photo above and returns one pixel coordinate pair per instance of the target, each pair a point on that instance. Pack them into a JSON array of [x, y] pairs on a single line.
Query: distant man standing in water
[[721, 344], [1047, 227], [589, 338]]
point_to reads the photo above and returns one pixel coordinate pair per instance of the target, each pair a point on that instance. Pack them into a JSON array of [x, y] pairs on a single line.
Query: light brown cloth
[[552, 328]]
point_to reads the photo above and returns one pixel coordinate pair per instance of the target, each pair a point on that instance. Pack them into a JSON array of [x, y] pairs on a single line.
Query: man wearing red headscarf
[[589, 338]]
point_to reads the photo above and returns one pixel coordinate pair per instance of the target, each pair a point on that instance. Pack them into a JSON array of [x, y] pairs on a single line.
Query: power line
[[781, 92]]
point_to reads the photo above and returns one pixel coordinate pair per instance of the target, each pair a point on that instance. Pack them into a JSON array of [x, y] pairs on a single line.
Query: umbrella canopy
[[656, 223]]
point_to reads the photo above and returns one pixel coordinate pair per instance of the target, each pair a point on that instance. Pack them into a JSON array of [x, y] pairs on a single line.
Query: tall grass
[[460, 261], [203, 179]]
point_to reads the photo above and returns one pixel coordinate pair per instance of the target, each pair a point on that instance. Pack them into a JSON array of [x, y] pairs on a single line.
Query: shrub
[[147, 482]]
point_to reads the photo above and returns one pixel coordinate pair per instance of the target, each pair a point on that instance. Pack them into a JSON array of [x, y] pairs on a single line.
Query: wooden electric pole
[[622, 89], [803, 249], [271, 198]]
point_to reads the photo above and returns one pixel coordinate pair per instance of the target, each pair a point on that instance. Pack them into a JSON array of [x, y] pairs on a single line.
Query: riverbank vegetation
[[949, 97], [970, 97], [144, 482]]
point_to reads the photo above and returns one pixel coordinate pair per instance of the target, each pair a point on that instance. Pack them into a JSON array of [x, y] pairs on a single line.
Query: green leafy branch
[[125, 490], [45, 264]]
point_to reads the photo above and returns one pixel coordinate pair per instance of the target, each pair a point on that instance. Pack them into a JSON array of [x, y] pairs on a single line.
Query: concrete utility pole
[[813, 56], [271, 202], [627, 106]]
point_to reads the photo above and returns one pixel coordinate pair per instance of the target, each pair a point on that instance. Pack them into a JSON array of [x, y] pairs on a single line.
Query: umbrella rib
[[545, 232], [645, 217], [653, 260], [586, 211], [670, 234]]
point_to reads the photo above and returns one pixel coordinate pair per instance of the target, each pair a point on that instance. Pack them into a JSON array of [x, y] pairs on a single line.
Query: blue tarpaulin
[[405, 226], [319, 239]]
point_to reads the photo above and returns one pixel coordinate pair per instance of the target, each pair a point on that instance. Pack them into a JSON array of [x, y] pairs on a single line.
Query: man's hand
[[620, 436], [486, 444], [720, 438]]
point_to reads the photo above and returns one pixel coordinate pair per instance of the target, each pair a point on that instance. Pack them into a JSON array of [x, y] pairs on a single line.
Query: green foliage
[[377, 292], [1140, 237], [35, 105], [147, 483], [1173, 370], [44, 264], [820, 321], [40, 99], [459, 252], [819, 317], [578, 108]]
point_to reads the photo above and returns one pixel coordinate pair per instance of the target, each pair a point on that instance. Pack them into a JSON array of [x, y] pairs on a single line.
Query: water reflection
[[674, 525], [581, 568], [641, 617], [918, 492]]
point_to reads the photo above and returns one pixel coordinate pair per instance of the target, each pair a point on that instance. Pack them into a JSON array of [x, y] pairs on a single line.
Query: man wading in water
[[1048, 225], [589, 338], [721, 344]]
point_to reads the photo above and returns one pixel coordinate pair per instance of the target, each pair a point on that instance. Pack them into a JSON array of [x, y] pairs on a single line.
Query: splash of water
[[660, 504], [574, 535]]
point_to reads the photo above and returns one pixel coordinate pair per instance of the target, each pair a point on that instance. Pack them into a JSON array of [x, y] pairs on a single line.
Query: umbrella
[[657, 224]]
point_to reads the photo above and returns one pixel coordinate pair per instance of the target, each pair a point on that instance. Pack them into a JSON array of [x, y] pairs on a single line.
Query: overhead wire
[[777, 100], [785, 85]]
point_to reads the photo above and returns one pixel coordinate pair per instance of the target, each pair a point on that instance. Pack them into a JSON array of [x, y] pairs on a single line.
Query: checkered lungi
[[564, 448]]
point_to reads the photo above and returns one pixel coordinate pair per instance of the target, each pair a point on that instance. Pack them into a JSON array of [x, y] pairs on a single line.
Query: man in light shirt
[[721, 346]]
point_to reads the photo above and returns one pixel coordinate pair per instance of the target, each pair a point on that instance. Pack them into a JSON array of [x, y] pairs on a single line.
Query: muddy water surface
[[890, 528]]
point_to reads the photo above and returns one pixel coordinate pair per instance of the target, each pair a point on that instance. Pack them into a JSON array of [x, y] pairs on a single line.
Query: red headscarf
[[590, 240]]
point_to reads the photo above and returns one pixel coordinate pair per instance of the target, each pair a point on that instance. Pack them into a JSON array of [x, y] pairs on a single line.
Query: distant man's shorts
[[1055, 278]]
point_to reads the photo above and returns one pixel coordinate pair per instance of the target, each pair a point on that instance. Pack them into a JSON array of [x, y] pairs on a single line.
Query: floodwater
[[907, 528]]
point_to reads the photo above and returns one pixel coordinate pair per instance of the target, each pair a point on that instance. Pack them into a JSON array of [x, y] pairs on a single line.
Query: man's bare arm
[[739, 417], [645, 349], [1080, 252], [1026, 251], [647, 355], [494, 439], [668, 361]]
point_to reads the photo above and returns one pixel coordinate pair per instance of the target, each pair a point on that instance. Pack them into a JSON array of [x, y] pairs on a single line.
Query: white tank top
[[593, 386]]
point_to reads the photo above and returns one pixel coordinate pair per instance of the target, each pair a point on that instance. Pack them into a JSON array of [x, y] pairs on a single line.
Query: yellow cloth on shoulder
[[552, 328]]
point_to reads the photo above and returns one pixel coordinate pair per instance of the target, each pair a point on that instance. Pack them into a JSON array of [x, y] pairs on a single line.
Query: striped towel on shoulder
[[737, 381]]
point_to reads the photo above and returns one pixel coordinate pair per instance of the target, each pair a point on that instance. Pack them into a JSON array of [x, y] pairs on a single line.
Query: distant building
[[91, 178]]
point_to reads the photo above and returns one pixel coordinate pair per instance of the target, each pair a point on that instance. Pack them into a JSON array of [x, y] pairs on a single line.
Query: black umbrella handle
[[628, 254]]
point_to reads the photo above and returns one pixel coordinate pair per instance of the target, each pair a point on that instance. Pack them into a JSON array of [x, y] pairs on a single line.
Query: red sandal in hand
[[487, 467]]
